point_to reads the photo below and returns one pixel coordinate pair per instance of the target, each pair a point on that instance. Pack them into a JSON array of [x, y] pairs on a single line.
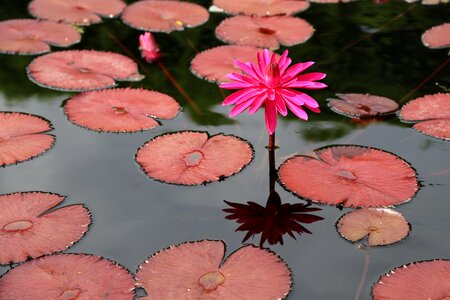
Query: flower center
[[69, 294], [267, 31], [21, 225], [193, 158], [346, 174], [211, 281], [272, 74]]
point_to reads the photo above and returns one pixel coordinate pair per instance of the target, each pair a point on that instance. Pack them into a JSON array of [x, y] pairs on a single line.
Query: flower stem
[[272, 170]]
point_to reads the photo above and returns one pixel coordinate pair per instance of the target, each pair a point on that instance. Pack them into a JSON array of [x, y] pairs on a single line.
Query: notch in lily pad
[[82, 70], [381, 226], [200, 272], [23, 136], [29, 229], [68, 276], [193, 157], [350, 176], [120, 110]]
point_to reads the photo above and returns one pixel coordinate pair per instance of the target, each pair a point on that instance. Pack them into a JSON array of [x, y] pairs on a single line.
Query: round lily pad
[[437, 37], [382, 226], [213, 64], [67, 276], [193, 157], [264, 32], [31, 37], [120, 110], [22, 137], [351, 176], [79, 12], [164, 16], [194, 270], [431, 114], [27, 229], [262, 8], [415, 281], [362, 105], [82, 70]]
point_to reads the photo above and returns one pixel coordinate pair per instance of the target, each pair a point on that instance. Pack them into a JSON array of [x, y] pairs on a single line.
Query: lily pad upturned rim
[[209, 136]]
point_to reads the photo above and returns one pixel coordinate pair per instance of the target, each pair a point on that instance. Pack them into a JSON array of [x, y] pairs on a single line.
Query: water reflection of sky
[[135, 216]]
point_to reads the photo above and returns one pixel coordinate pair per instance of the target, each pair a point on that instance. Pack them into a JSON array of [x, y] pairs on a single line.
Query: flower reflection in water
[[272, 221]]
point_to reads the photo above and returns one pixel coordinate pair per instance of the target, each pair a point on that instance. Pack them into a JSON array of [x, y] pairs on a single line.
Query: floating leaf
[[432, 112], [120, 110], [261, 8], [164, 16], [213, 64], [382, 226], [351, 176], [437, 37], [193, 270], [82, 70], [330, 1], [362, 105], [67, 276], [30, 37], [264, 32], [415, 281], [22, 137], [28, 230], [193, 157], [79, 12]]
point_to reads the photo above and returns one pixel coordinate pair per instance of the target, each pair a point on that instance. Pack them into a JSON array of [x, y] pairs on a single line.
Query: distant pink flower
[[149, 48], [272, 83]]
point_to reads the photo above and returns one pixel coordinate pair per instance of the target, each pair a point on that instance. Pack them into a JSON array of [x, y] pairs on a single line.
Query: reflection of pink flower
[[149, 48], [272, 83]]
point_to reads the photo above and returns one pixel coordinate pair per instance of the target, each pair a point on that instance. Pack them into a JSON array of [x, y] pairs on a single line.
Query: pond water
[[362, 46]]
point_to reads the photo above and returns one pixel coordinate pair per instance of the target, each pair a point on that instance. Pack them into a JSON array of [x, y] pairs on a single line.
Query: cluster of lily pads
[[349, 176]]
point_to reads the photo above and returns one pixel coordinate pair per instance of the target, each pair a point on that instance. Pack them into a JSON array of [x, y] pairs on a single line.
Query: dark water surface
[[134, 216]]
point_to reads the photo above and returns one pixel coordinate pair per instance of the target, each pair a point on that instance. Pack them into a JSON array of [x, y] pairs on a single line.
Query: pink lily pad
[[30, 37], [262, 8], [22, 137], [437, 37], [82, 70], [28, 230], [213, 64], [432, 114], [195, 270], [193, 157], [415, 281], [330, 1], [382, 226], [120, 110], [264, 32], [67, 276], [351, 176], [362, 105], [79, 12], [164, 16]]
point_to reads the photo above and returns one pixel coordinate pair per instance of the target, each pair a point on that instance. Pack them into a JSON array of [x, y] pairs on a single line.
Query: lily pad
[[67, 276], [262, 8], [31, 37], [195, 270], [193, 157], [432, 114], [382, 226], [415, 281], [264, 32], [437, 37], [351, 176], [362, 105], [120, 110], [79, 12], [27, 229], [22, 137], [82, 70], [164, 16]]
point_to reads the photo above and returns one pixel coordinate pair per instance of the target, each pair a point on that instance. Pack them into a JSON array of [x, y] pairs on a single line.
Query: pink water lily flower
[[273, 84], [149, 48]]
